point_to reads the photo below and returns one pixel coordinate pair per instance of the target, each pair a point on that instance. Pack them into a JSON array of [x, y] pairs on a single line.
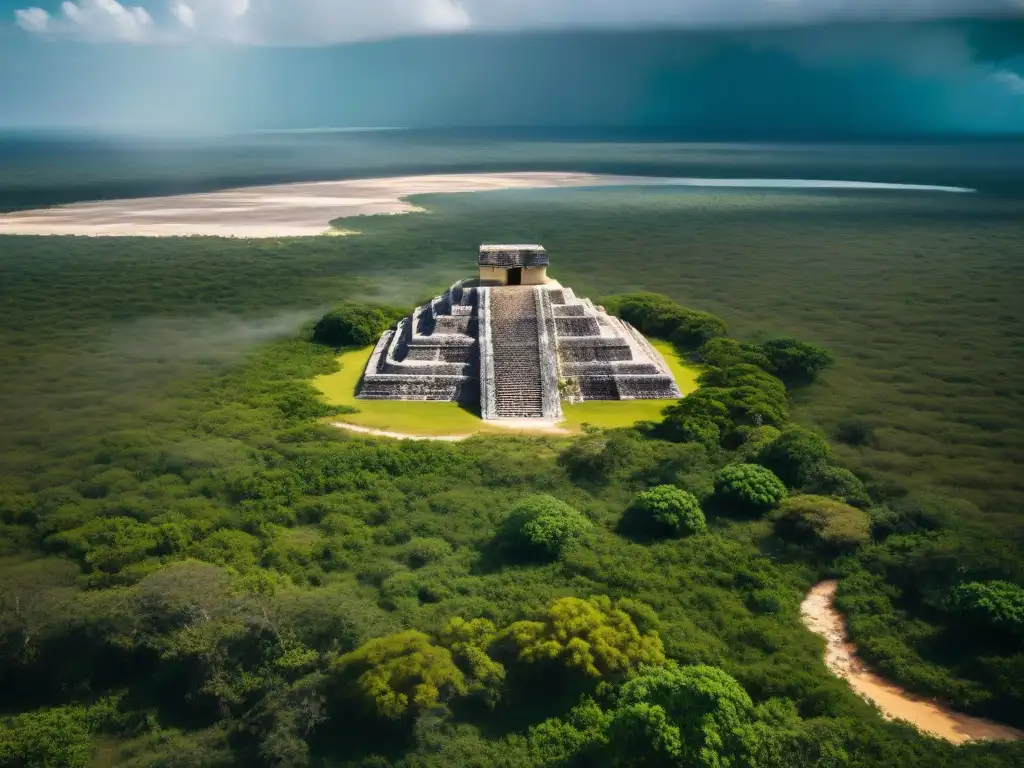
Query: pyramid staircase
[[518, 390]]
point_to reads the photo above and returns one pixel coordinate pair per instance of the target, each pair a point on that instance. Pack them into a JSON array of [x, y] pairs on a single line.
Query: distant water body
[[44, 169], [805, 184]]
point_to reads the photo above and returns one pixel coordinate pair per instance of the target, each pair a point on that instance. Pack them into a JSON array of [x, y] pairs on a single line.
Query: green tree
[[825, 523], [723, 353], [748, 489], [991, 606], [547, 526], [657, 315], [468, 642], [729, 402], [702, 417], [826, 479], [673, 509], [751, 396], [581, 738], [401, 674], [595, 637], [110, 545], [755, 440], [672, 715], [695, 328], [795, 362], [796, 453], [50, 737], [355, 325]]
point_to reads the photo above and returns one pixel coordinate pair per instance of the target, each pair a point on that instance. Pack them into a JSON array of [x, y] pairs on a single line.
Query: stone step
[[517, 369]]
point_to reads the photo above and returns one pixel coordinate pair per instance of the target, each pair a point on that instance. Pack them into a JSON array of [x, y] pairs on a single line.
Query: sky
[[764, 67]]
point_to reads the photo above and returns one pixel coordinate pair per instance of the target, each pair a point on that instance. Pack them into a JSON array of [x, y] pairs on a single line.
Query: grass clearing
[[425, 418], [611, 414], [409, 418]]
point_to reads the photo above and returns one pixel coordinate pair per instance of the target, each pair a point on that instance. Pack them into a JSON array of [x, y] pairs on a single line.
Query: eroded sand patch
[[893, 702], [306, 209], [396, 435], [527, 426], [281, 210]]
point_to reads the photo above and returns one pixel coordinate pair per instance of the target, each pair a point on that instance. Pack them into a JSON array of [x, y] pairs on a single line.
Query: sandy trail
[[821, 617], [527, 426], [306, 209], [396, 435]]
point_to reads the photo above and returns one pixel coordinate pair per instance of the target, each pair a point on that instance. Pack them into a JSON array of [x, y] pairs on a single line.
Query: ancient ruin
[[517, 342]]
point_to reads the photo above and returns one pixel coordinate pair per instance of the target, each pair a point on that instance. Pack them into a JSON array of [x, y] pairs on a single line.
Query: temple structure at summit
[[518, 343]]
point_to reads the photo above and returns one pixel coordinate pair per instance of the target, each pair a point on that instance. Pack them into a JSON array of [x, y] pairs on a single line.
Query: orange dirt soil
[[931, 717]]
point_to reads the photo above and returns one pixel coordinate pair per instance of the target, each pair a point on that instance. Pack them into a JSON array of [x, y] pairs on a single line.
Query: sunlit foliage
[[676, 511], [748, 489], [594, 636]]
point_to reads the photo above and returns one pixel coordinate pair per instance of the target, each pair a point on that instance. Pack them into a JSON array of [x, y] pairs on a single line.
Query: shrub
[[695, 328], [419, 552], [828, 480], [748, 489], [824, 523], [548, 526], [991, 605], [400, 674], [657, 315], [796, 452], [592, 636], [674, 509], [56, 736], [729, 401], [723, 353], [681, 716], [355, 325], [755, 440], [855, 432], [700, 418], [794, 362]]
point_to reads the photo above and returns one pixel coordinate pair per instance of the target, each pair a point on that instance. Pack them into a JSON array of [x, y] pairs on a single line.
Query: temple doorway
[[515, 276]]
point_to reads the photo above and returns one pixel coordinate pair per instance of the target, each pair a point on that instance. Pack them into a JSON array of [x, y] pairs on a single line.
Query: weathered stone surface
[[517, 350]]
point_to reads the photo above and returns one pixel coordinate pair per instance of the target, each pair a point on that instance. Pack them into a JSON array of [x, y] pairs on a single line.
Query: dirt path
[[396, 435], [526, 426], [821, 617]]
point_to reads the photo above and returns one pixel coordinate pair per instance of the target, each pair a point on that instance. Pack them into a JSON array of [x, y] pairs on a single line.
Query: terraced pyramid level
[[518, 350]]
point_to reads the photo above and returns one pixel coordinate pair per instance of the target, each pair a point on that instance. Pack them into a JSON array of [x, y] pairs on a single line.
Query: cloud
[[1011, 80], [185, 15], [98, 20], [318, 22], [32, 19]]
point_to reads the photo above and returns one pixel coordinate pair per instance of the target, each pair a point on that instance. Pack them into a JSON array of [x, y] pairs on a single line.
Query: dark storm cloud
[[318, 22]]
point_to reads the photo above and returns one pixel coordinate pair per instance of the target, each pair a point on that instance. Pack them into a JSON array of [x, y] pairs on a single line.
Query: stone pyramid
[[520, 350]]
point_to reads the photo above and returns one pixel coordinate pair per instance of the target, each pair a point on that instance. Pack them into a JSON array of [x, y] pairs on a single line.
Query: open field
[[446, 419]]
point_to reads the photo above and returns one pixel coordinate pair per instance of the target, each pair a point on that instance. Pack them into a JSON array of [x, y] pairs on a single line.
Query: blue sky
[[211, 65]]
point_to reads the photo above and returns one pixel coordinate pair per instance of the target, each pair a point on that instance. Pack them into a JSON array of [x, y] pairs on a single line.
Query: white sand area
[[282, 210], [306, 209]]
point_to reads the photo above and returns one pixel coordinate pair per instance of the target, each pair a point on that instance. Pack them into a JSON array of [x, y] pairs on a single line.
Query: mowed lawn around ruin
[[446, 419], [624, 413]]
